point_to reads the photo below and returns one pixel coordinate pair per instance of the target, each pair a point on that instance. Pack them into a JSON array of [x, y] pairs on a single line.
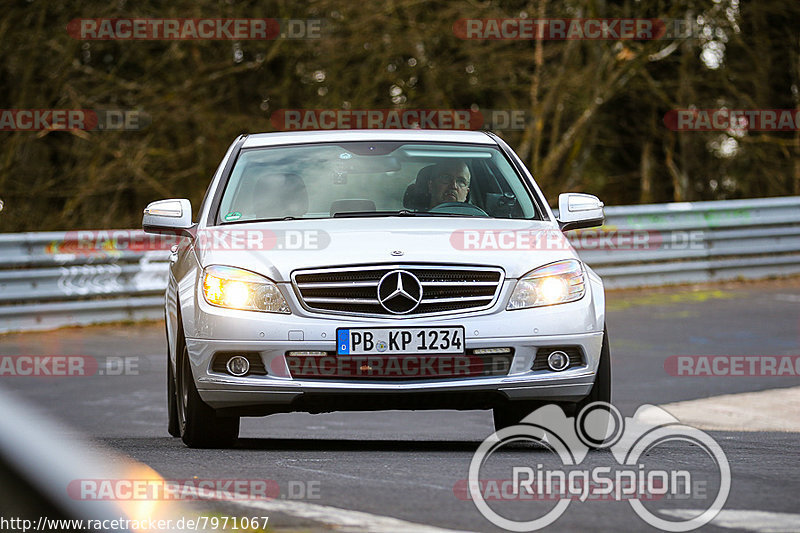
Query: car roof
[[377, 135]]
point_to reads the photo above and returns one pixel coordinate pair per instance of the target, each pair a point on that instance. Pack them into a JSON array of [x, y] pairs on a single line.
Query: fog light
[[238, 366], [558, 361]]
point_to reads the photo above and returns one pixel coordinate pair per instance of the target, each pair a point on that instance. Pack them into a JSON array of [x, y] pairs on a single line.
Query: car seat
[[417, 195], [278, 195]]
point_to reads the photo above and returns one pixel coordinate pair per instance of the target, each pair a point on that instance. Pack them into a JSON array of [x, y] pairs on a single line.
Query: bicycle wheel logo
[[599, 426]]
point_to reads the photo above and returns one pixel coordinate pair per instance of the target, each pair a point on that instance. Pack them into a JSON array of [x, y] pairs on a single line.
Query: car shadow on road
[[385, 445]]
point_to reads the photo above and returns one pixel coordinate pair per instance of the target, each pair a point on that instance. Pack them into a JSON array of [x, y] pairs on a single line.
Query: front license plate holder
[[445, 340]]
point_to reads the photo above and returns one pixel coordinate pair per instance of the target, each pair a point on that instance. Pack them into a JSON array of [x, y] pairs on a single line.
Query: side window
[[206, 198]]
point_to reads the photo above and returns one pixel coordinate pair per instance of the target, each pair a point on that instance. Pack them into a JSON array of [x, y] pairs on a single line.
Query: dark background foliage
[[595, 108]]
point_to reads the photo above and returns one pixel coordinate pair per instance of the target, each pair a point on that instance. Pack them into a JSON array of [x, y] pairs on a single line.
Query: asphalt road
[[405, 465]]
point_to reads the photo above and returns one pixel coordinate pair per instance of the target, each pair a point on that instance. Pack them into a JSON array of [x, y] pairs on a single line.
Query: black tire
[[512, 413], [174, 427], [199, 425], [601, 391]]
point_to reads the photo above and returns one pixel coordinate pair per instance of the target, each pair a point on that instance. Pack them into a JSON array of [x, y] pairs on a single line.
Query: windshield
[[362, 179]]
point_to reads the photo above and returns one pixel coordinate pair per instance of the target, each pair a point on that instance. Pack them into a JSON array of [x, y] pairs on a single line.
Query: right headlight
[[556, 283], [235, 288]]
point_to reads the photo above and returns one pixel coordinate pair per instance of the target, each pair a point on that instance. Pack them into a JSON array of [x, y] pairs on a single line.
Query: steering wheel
[[459, 208]]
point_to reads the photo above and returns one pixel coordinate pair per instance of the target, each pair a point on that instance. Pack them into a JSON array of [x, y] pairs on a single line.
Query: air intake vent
[[399, 367]]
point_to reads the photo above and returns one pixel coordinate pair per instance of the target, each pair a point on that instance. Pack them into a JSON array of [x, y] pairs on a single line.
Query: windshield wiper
[[357, 214], [400, 213], [251, 220]]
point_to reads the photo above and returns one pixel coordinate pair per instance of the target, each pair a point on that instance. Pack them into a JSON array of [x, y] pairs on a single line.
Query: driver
[[450, 182]]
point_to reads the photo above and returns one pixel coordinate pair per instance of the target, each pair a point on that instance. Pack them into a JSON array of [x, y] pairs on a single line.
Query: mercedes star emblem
[[399, 292]]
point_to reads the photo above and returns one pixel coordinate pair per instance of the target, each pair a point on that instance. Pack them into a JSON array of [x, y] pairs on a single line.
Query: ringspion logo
[[598, 425]]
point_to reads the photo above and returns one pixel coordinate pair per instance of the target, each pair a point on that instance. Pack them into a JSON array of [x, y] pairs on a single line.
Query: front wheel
[[173, 425], [512, 413], [601, 390], [200, 427]]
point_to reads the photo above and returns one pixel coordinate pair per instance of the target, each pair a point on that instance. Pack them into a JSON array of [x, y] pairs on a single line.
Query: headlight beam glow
[[235, 288], [556, 283]]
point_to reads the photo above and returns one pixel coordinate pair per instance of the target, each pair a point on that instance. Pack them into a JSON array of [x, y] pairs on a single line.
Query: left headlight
[[556, 283], [235, 288]]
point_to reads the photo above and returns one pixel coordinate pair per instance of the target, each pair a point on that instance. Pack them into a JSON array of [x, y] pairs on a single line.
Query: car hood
[[276, 249]]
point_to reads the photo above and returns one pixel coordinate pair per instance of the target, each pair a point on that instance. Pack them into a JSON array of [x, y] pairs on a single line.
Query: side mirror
[[577, 211], [172, 217]]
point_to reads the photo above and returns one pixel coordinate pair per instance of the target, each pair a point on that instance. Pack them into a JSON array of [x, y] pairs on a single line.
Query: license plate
[[365, 341]]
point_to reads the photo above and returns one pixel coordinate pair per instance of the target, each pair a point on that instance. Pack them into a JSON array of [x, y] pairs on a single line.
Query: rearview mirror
[[577, 211], [172, 217]]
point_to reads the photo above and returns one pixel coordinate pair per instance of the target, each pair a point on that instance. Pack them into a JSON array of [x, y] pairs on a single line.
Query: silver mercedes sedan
[[368, 270]]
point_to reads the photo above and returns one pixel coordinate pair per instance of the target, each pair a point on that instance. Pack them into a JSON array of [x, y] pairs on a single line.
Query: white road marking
[[760, 521], [769, 410], [343, 520], [369, 479]]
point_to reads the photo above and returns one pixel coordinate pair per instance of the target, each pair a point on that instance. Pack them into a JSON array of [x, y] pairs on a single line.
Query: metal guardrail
[[54, 279], [697, 242]]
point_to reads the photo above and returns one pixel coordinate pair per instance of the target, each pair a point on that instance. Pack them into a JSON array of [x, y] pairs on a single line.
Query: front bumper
[[279, 392], [215, 330]]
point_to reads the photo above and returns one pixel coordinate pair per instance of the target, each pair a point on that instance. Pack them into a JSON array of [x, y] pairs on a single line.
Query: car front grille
[[354, 290]]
